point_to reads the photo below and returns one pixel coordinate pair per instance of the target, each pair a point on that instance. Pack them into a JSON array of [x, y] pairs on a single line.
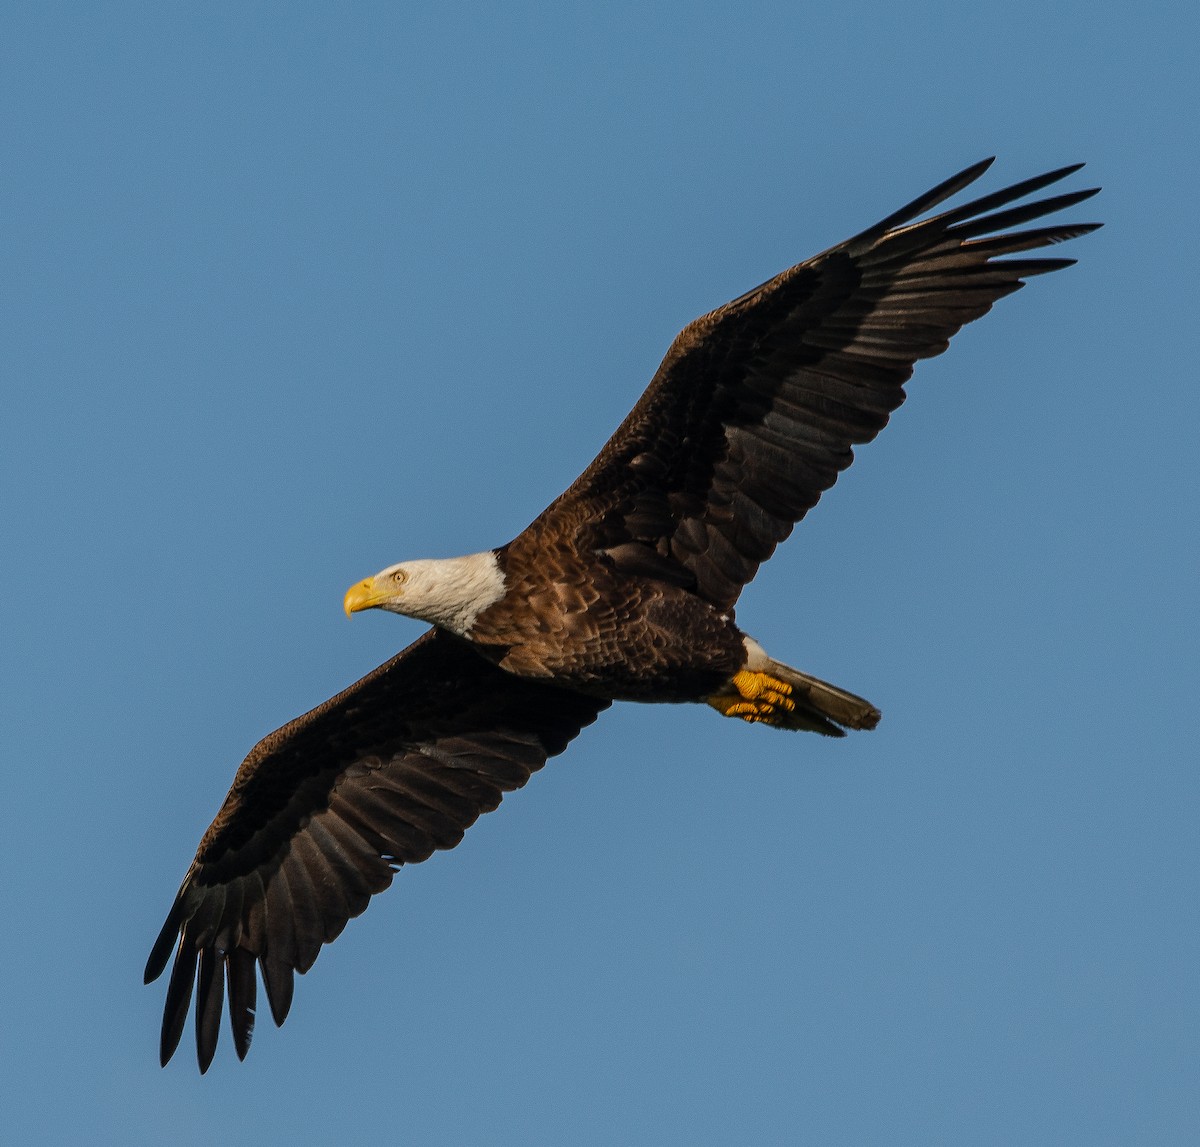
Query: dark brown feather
[[242, 982], [210, 992], [324, 810]]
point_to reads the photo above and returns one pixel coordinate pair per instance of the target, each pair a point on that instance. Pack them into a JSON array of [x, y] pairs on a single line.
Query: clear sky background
[[291, 292]]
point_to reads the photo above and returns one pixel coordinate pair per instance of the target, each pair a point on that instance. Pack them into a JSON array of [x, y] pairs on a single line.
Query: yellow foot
[[754, 696]]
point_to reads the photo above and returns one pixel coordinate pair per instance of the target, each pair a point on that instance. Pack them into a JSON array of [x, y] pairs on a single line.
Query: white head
[[450, 592]]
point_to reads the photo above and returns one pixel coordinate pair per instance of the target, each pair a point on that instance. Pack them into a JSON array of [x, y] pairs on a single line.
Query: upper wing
[[754, 410], [323, 811]]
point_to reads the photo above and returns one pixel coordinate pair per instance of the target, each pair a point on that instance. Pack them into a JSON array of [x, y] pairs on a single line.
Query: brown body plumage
[[572, 615], [624, 589]]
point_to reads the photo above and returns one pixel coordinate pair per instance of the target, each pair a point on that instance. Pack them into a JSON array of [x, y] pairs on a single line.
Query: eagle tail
[[776, 694]]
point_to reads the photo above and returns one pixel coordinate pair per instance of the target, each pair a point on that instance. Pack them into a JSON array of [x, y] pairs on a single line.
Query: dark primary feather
[[323, 811], [756, 408]]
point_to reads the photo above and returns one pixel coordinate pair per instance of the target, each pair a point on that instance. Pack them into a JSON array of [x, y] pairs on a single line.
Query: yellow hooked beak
[[364, 595]]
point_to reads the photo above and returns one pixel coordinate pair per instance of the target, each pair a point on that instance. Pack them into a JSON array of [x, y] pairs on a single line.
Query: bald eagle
[[622, 590]]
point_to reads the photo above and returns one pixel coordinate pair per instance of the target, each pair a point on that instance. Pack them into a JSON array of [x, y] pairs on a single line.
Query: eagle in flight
[[622, 590]]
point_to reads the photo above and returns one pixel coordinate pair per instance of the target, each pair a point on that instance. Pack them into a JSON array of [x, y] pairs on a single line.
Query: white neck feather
[[450, 592]]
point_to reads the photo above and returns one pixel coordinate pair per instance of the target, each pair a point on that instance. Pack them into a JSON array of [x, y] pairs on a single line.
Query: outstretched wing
[[756, 407], [324, 811]]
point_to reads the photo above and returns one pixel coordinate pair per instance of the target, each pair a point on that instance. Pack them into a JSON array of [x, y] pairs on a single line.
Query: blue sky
[[294, 292]]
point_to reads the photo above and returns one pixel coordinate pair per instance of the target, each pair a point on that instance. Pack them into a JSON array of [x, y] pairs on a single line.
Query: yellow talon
[[751, 684], [754, 696]]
